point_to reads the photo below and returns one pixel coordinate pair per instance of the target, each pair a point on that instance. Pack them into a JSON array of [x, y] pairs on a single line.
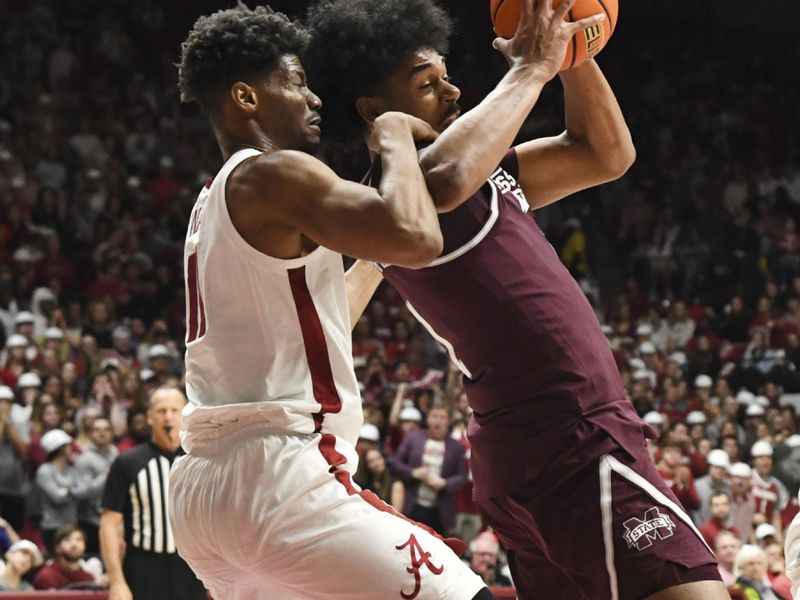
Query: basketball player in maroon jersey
[[559, 462]]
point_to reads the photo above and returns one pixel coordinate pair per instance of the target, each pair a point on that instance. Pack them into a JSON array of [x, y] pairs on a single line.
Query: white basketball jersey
[[267, 340]]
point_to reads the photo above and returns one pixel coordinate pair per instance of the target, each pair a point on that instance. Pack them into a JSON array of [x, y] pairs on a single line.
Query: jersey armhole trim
[[229, 233], [479, 237]]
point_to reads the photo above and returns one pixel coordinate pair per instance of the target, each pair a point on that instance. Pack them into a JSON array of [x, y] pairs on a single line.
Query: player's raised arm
[[468, 151], [595, 148], [292, 190]]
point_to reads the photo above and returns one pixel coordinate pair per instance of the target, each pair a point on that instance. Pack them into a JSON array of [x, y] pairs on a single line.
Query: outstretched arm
[[595, 148], [460, 161]]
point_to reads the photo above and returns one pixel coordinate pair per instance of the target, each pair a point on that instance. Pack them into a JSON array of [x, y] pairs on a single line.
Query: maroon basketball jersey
[[534, 359]]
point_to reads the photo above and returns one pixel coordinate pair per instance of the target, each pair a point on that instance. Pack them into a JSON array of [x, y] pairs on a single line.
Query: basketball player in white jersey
[[263, 505]]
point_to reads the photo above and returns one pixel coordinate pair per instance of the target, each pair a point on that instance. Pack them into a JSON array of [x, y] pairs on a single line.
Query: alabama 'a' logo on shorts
[[641, 533], [419, 559]]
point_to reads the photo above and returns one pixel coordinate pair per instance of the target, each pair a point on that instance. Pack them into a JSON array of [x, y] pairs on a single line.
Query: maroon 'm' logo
[[419, 559]]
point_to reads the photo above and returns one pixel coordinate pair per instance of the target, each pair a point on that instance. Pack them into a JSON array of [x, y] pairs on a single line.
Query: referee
[[135, 499]]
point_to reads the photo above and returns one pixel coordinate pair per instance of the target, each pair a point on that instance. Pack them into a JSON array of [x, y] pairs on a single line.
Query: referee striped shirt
[[138, 486]]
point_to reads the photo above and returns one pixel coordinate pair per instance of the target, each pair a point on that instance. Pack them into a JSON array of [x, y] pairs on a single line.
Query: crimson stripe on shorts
[[327, 447], [191, 284], [325, 393], [316, 348]]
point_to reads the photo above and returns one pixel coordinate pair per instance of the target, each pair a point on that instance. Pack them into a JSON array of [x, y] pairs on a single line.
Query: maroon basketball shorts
[[599, 523]]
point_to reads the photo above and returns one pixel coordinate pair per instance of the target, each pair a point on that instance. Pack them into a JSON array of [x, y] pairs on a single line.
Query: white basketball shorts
[[277, 517]]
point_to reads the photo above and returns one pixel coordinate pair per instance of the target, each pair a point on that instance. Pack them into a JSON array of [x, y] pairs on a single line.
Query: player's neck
[[230, 143]]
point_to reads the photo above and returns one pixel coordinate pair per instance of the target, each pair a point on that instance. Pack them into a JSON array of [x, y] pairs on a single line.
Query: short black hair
[[233, 45], [355, 47]]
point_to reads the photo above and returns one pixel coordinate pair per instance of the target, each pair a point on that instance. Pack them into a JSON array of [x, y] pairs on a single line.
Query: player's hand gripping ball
[[584, 45]]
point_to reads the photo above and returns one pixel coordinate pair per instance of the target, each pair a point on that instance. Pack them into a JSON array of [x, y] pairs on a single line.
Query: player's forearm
[[362, 279], [460, 161], [594, 119], [403, 187]]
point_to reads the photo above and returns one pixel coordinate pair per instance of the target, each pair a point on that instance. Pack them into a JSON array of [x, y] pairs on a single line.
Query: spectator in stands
[[92, 469], [13, 453], [379, 479], [770, 494], [60, 486], [726, 547], [484, 552], [751, 571], [743, 504], [730, 444], [66, 568], [776, 570], [20, 558], [764, 535], [678, 477], [715, 481], [432, 467], [138, 431], [720, 519], [369, 438]]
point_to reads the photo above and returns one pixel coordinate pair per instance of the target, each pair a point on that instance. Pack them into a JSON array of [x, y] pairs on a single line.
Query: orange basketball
[[584, 45]]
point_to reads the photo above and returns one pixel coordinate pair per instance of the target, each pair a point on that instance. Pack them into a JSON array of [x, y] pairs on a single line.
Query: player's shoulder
[[274, 166], [277, 175]]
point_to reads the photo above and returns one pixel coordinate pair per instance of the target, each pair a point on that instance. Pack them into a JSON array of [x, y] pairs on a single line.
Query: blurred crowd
[[99, 168]]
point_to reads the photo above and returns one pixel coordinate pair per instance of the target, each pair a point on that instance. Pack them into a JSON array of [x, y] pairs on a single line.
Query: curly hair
[[356, 45], [233, 45]]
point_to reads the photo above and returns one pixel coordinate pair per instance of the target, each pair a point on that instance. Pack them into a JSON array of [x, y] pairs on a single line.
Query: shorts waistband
[[211, 438]]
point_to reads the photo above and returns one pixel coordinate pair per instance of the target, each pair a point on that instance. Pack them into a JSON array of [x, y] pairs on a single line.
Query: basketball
[[584, 45]]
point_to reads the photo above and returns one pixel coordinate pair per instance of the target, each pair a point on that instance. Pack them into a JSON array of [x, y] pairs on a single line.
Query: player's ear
[[370, 108], [244, 96]]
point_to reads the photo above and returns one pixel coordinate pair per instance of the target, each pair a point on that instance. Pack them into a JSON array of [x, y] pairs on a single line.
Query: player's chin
[[311, 145]]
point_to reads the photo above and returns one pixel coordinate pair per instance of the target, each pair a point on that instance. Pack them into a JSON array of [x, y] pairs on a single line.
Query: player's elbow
[[448, 184], [418, 247], [618, 159]]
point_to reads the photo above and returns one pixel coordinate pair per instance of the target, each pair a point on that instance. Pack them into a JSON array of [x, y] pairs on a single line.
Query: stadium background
[[100, 164]]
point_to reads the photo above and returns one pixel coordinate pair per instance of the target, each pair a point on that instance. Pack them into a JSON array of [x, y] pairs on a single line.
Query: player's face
[[422, 88], [289, 114]]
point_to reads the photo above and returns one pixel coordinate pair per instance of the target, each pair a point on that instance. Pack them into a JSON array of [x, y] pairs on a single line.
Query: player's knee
[[484, 594]]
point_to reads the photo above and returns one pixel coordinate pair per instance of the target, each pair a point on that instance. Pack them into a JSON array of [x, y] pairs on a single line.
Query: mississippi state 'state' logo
[[419, 559], [641, 533]]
